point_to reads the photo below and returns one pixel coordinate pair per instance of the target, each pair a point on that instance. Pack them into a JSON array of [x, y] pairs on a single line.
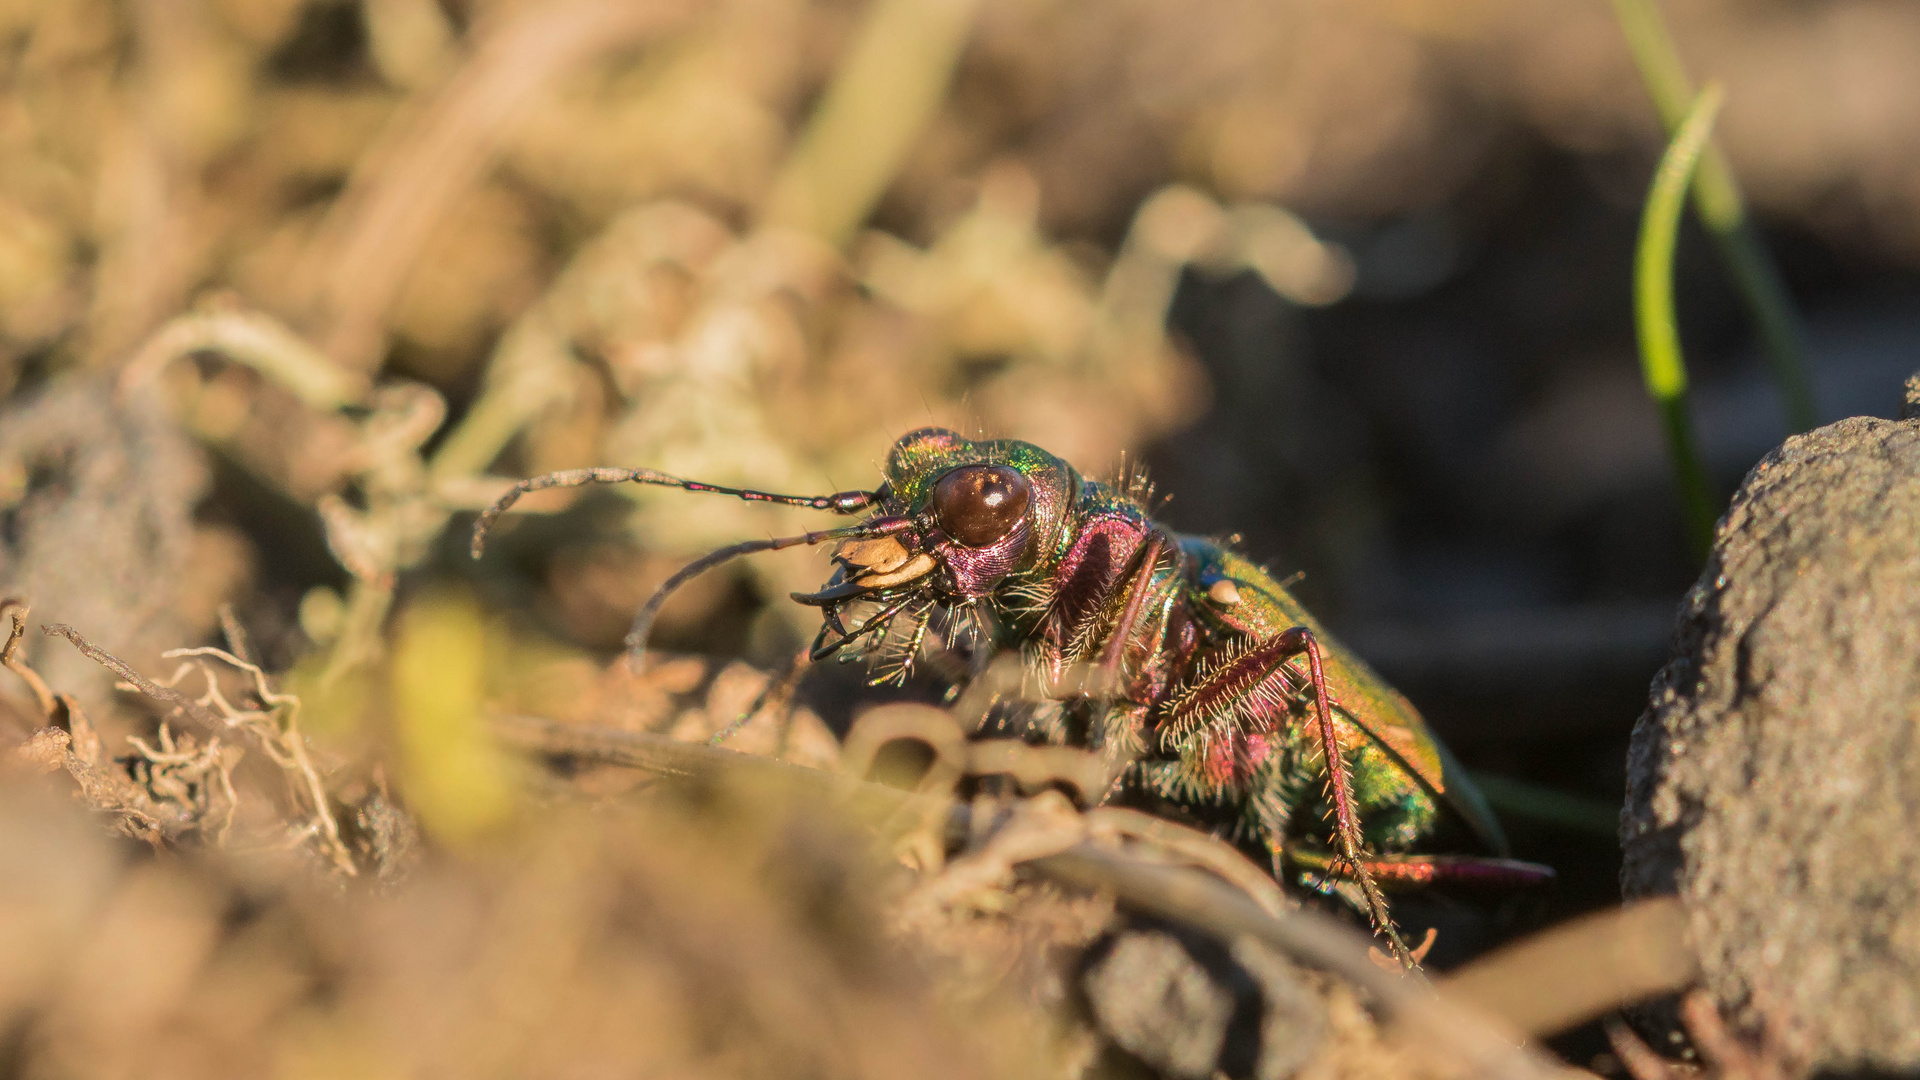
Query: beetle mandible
[[1221, 696]]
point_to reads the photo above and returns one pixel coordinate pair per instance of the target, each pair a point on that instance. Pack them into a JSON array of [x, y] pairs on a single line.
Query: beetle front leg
[[1124, 720], [1113, 657]]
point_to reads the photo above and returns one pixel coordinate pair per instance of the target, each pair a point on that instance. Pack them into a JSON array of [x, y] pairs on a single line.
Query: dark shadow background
[[1444, 456]]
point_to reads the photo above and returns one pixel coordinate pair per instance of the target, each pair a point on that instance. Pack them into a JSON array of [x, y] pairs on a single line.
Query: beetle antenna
[[840, 502], [643, 620]]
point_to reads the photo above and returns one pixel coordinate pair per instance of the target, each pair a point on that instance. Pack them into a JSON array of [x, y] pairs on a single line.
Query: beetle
[[1218, 697]]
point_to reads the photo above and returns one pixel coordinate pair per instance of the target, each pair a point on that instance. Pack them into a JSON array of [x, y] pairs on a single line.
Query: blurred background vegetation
[[288, 286]]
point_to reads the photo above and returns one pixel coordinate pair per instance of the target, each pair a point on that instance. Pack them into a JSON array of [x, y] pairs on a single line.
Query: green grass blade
[[1660, 360], [884, 93], [1717, 199], [1550, 806]]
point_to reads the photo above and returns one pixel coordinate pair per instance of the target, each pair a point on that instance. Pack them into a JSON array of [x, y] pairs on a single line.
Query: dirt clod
[[96, 523], [1774, 780], [1191, 1009]]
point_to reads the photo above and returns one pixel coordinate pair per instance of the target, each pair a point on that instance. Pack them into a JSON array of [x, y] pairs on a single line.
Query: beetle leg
[[1250, 676], [896, 669], [1340, 782], [880, 622], [779, 690], [1393, 872], [1122, 727], [1113, 656]]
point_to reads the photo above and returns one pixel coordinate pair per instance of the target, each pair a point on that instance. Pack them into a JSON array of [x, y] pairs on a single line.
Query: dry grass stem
[[251, 338], [209, 721], [10, 656], [1195, 849], [1193, 898], [434, 151], [276, 730], [1623, 955]]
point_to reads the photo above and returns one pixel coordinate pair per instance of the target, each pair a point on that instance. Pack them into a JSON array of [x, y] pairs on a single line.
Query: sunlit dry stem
[[238, 644], [1191, 897], [1222, 860], [840, 502], [10, 656], [286, 746], [201, 712]]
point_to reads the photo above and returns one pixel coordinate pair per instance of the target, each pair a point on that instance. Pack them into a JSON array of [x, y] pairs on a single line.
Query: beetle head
[[953, 520], [969, 515]]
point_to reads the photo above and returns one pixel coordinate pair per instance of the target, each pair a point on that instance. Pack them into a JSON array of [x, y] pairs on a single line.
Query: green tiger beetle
[[1223, 699]]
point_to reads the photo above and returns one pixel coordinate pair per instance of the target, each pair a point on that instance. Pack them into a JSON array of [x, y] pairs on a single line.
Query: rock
[[1774, 780], [97, 530], [1190, 1009]]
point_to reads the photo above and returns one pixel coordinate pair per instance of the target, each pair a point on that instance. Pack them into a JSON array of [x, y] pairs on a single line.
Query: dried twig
[[1624, 955], [1190, 897], [199, 713], [1730, 1057], [10, 656], [171, 773], [251, 338], [1031, 767], [277, 730], [431, 154], [1726, 1056], [1199, 849], [1639, 1059], [236, 634], [1418, 953], [1034, 767], [925, 724], [187, 777], [1038, 827]]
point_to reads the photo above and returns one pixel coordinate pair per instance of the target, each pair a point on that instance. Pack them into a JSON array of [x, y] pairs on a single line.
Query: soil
[[97, 528], [1774, 780]]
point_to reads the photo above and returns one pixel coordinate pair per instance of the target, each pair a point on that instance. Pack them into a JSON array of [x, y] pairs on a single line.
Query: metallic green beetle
[[1222, 695]]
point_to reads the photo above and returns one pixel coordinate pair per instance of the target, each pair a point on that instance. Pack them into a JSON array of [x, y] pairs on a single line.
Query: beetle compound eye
[[980, 504]]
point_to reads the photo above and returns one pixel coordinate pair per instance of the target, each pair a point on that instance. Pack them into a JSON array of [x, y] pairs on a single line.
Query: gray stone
[[97, 499], [1189, 1009], [1774, 780]]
